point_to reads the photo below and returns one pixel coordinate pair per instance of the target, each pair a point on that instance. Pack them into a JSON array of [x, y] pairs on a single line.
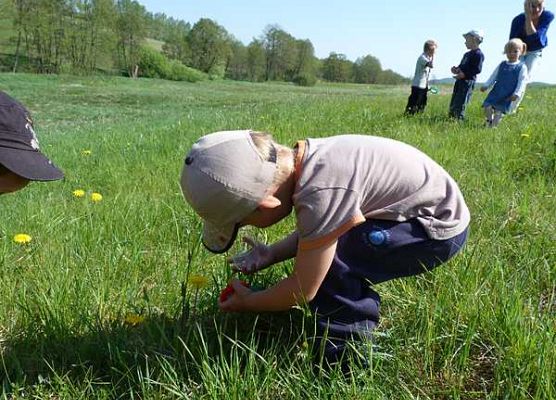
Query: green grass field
[[100, 303]]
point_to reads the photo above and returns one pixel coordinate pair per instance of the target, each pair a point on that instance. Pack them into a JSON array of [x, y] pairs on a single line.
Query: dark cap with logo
[[19, 147]]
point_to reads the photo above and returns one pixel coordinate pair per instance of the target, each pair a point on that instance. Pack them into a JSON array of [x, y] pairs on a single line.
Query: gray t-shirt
[[343, 180]]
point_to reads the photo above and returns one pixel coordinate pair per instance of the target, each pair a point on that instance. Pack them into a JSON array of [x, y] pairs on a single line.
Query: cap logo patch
[[34, 141]]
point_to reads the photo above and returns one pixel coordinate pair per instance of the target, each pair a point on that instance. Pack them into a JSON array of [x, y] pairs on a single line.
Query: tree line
[[116, 36]]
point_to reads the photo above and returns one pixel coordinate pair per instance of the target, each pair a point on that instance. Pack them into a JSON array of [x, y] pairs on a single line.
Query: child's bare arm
[[311, 266], [261, 256]]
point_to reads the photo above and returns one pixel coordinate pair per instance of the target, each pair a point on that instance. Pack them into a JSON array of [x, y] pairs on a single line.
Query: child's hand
[[235, 301], [455, 70], [228, 291], [258, 257], [460, 75]]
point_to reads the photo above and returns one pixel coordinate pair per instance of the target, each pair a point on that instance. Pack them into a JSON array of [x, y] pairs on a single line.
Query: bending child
[[20, 158], [508, 82], [417, 100], [390, 211]]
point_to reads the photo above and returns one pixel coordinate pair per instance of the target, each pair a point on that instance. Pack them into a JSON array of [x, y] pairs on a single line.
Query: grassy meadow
[[117, 298]]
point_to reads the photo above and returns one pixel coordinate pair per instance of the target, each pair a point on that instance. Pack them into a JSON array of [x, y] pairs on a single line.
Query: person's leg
[[489, 113], [410, 108], [346, 310], [383, 250], [531, 60], [469, 86], [455, 101], [496, 119], [346, 307], [460, 98], [422, 100]]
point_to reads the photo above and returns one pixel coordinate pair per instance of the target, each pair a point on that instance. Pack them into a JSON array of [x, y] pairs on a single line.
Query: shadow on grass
[[121, 354]]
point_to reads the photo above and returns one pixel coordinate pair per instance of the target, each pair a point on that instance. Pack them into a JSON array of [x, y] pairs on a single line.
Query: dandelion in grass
[[22, 238], [86, 152], [134, 319], [78, 193], [96, 197], [198, 281]]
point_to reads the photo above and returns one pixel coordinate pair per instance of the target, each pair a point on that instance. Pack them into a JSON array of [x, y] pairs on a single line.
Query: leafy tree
[[367, 69], [131, 31], [389, 77], [175, 41], [337, 68], [280, 52], [158, 25], [209, 46], [305, 64], [89, 33], [236, 64], [256, 61], [40, 24]]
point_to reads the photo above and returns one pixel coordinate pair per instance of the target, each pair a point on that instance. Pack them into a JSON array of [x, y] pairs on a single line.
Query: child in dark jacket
[[466, 74]]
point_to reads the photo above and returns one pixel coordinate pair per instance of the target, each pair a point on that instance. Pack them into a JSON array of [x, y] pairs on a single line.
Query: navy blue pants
[[461, 96], [376, 251]]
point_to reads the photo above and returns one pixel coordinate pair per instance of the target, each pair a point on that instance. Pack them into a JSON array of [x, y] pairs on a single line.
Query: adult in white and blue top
[[531, 26]]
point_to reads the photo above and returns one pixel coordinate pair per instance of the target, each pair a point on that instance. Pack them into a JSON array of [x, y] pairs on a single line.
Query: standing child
[[417, 100], [20, 158], [508, 82], [389, 212], [466, 73]]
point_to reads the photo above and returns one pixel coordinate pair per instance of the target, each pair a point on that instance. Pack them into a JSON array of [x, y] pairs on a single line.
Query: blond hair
[[515, 44], [429, 44], [268, 149], [533, 2]]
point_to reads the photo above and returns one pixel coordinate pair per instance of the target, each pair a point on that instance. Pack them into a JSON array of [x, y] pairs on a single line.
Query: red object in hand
[[229, 290]]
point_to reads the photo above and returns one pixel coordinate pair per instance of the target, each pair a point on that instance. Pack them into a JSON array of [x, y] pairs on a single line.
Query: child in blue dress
[[508, 82]]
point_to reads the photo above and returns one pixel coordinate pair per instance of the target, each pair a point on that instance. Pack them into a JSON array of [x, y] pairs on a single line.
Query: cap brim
[[218, 239], [32, 165]]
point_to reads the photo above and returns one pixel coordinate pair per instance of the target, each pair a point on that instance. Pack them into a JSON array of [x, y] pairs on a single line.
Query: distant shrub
[[180, 72], [153, 64], [305, 80]]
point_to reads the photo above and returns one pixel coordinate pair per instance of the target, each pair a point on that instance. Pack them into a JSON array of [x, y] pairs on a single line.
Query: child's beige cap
[[224, 179], [477, 33]]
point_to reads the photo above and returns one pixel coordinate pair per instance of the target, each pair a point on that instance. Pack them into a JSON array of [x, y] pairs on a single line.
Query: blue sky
[[392, 31]]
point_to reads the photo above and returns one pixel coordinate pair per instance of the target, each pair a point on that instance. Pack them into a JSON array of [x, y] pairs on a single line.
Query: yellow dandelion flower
[[22, 238], [198, 281], [134, 319], [86, 152], [96, 197], [78, 193]]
